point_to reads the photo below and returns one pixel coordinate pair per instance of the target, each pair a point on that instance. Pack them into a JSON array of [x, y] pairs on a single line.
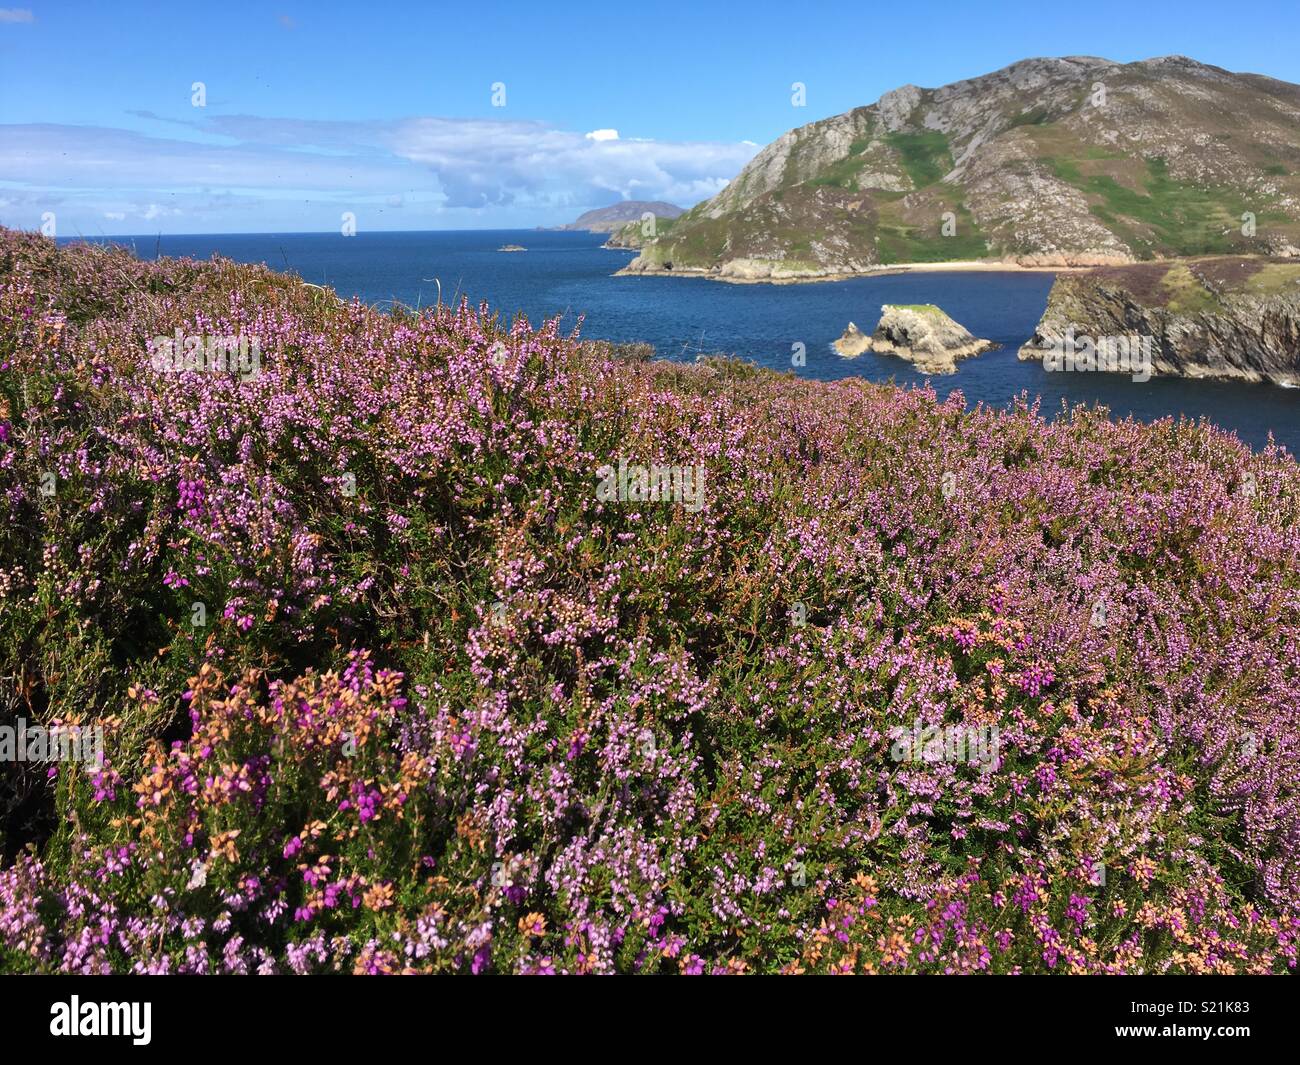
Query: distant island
[[616, 216], [512, 247], [1065, 162]]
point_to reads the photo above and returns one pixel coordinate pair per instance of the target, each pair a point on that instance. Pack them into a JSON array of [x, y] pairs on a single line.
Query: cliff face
[[1071, 161], [1220, 317]]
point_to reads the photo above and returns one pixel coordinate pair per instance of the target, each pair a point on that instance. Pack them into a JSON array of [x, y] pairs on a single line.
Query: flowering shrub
[[388, 685]]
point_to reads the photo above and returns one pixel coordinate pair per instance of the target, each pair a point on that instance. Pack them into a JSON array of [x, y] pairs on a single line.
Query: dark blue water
[[570, 274]]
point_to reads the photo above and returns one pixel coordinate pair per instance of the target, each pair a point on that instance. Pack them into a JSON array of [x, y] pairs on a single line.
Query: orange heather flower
[[1143, 869], [378, 896], [223, 843], [865, 883], [532, 924]]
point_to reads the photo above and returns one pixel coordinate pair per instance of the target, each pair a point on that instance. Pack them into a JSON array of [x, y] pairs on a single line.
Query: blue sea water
[[570, 274]]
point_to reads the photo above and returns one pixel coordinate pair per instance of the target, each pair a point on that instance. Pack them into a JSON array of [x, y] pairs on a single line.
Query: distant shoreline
[[953, 266]]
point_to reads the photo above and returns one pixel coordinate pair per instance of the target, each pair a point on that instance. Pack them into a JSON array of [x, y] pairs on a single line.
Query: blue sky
[[386, 110]]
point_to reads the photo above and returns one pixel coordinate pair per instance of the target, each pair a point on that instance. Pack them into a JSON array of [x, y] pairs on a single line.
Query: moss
[[918, 308]]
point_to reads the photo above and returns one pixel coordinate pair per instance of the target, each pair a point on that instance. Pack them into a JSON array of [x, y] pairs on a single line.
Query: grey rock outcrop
[[926, 337], [853, 343]]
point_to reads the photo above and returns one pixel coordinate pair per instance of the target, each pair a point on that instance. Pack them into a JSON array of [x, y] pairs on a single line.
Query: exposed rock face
[[853, 343], [1075, 160], [1220, 317], [926, 337]]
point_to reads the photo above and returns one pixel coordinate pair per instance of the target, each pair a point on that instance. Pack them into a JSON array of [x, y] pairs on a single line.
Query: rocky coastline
[[1225, 318]]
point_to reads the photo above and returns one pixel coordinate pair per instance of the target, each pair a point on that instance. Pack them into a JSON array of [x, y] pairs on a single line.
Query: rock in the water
[[853, 343], [926, 337]]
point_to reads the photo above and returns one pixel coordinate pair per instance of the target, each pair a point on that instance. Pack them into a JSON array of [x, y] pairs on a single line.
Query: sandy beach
[[953, 266]]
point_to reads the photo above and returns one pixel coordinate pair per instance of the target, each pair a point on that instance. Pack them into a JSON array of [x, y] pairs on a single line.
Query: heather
[[448, 708]]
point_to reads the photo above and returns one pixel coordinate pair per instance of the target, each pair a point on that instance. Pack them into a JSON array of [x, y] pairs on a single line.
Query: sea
[[571, 275]]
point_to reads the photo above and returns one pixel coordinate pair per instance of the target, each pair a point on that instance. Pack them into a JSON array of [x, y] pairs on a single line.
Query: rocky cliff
[[1070, 161], [1216, 317]]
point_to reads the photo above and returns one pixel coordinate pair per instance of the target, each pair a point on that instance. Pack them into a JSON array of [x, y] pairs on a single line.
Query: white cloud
[[479, 163], [274, 172], [16, 14]]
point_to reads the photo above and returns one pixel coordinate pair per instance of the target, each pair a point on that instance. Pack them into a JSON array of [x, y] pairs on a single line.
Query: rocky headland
[[1225, 317], [613, 218]]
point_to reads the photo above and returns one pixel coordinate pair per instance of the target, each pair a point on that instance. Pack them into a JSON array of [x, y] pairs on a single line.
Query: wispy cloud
[[468, 171], [16, 14]]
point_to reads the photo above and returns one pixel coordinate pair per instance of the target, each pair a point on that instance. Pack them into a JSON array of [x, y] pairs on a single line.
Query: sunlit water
[[570, 274]]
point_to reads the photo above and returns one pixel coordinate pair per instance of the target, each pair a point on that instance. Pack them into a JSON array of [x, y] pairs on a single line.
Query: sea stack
[[926, 337], [853, 343]]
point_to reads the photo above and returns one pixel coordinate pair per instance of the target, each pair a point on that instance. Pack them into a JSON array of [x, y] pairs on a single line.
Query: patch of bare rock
[[920, 333]]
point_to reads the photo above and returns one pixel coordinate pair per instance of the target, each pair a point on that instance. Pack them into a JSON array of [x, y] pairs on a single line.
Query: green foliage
[[1165, 217], [1035, 117], [901, 241], [925, 156]]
